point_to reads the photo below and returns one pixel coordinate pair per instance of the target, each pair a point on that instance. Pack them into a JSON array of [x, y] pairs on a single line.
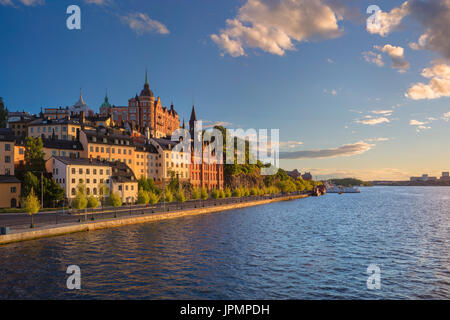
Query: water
[[313, 248]]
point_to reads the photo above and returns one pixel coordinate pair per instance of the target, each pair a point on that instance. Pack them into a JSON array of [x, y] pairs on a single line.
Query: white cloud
[[24, 2], [273, 26], [373, 121], [422, 125], [332, 92], [98, 2], [416, 123], [141, 23], [397, 55], [383, 112], [374, 58], [342, 151], [388, 21], [438, 86], [446, 116]]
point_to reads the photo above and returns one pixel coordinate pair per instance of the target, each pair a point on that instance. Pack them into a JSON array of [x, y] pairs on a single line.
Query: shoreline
[[46, 232]]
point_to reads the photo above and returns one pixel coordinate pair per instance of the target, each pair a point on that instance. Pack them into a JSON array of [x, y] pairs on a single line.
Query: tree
[[115, 200], [34, 155], [204, 194], [92, 202], [30, 182], [180, 196], [53, 192], [143, 197], [80, 202], [215, 194], [103, 191], [195, 193], [227, 193], [168, 195], [3, 114], [153, 198], [31, 204]]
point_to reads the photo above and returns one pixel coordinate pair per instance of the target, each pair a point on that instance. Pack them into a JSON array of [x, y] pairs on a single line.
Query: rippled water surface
[[313, 248]]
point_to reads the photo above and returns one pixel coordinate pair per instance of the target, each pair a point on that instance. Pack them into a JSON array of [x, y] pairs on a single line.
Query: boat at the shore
[[341, 190]]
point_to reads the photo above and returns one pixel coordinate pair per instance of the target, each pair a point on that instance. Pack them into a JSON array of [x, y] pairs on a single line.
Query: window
[[73, 191], [7, 159], [80, 171], [95, 171], [73, 180], [64, 129], [95, 191], [88, 181], [96, 149], [88, 171], [91, 149], [13, 190], [20, 151], [101, 171], [7, 147], [102, 149], [73, 170]]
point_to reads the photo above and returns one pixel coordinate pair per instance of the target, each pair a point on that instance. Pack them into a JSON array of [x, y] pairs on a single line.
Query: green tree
[[30, 182], [34, 155], [80, 202], [227, 192], [31, 204], [180, 196], [195, 193], [3, 114], [215, 194], [115, 200], [237, 192], [92, 202], [53, 192], [153, 198], [168, 195], [204, 194], [143, 197]]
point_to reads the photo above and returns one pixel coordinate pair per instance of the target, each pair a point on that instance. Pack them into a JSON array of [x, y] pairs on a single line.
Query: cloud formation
[[446, 116], [388, 21], [342, 151], [273, 26], [24, 2], [141, 23], [437, 87], [397, 55], [372, 57]]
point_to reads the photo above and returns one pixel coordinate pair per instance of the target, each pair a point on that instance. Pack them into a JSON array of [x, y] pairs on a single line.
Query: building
[[294, 174], [79, 106], [56, 113], [7, 144], [445, 176], [70, 172], [10, 191], [307, 176], [170, 163], [63, 129], [204, 174], [19, 124], [9, 185], [424, 177], [145, 111]]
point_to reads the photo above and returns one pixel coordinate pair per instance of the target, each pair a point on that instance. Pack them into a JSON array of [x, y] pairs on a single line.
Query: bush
[[143, 197], [92, 202], [215, 194], [153, 198], [196, 194], [168, 196], [227, 192], [237, 192], [115, 200], [221, 194], [204, 194], [180, 196], [254, 192]]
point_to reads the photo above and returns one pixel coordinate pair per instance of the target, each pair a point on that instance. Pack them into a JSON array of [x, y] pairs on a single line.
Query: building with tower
[[145, 111]]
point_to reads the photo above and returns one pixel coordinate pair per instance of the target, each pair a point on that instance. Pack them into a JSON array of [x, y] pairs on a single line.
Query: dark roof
[[40, 121], [9, 179], [193, 115], [108, 137], [6, 134], [62, 144], [122, 173], [164, 143], [84, 162], [145, 147]]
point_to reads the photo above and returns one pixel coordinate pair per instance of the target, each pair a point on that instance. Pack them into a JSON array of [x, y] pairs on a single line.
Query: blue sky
[[321, 82]]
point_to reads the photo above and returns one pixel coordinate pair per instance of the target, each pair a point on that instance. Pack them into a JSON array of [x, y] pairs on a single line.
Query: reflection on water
[[305, 249]]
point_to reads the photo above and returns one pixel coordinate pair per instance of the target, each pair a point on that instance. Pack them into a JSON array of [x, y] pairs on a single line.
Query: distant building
[[10, 192], [56, 113], [445, 176], [9, 185], [294, 174], [307, 176], [145, 111], [424, 177]]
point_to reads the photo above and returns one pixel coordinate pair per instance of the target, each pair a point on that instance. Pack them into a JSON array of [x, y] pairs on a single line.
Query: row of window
[[88, 171], [113, 150]]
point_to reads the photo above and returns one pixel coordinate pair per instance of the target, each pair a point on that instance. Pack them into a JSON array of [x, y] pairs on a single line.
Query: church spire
[[146, 77]]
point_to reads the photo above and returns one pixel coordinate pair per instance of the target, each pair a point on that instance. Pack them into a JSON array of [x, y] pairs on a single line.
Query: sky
[[352, 97]]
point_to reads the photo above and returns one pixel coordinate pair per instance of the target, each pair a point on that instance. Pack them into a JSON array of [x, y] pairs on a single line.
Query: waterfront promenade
[[54, 224]]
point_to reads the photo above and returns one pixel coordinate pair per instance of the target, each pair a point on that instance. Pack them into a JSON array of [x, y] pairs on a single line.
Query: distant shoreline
[[412, 184]]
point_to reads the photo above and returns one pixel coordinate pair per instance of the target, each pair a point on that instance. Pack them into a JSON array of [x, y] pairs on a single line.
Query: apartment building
[[7, 144], [63, 129]]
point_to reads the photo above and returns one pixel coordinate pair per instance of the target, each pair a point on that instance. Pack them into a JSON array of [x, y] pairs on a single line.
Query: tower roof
[[80, 102], [146, 92], [193, 116]]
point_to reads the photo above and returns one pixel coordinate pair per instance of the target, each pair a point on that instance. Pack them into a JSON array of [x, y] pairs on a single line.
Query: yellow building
[[7, 143], [62, 129], [9, 192]]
